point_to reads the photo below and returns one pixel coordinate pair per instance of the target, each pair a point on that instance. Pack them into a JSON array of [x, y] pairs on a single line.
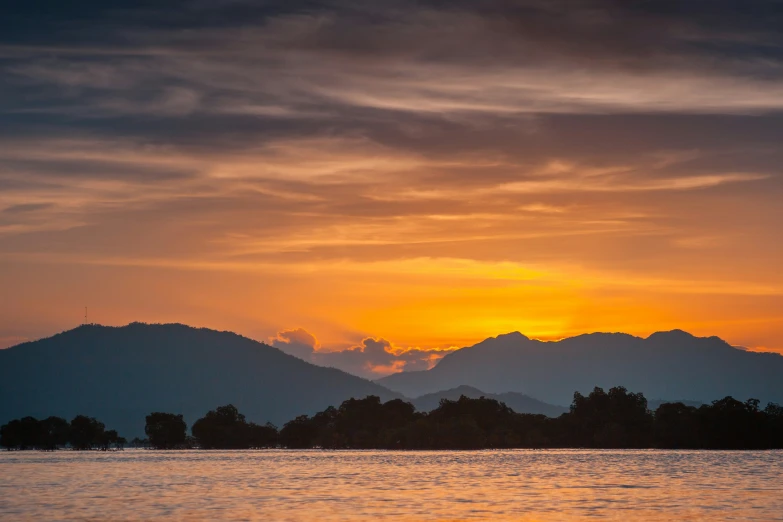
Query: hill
[[654, 404], [666, 365], [120, 374], [516, 401]]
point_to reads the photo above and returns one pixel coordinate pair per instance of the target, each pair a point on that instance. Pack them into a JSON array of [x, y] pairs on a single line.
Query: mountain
[[119, 375], [653, 404], [516, 401], [666, 365]]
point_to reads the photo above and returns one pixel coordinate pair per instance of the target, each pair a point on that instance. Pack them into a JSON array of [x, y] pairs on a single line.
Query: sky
[[372, 184]]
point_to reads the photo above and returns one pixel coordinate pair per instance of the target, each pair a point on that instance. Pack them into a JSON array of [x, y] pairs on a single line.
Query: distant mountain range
[[119, 375], [666, 365], [516, 401]]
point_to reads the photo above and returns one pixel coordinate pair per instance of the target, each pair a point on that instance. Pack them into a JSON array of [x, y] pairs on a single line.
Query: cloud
[[328, 138], [371, 359], [498, 58], [297, 342], [26, 207]]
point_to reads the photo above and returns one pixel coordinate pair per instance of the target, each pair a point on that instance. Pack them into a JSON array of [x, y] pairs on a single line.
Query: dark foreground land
[[613, 419]]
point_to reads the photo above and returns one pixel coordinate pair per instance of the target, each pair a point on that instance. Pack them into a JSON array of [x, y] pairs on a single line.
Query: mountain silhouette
[[666, 365], [121, 374], [516, 401], [654, 404]]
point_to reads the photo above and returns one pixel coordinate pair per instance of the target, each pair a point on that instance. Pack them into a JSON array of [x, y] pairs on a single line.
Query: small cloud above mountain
[[297, 342], [371, 358]]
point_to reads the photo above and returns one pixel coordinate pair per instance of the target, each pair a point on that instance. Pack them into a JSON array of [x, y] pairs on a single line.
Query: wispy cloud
[[615, 147]]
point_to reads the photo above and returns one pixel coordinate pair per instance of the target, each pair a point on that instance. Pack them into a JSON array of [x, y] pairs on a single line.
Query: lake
[[369, 485]]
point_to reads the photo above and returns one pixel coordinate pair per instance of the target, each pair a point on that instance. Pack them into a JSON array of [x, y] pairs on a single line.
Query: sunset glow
[[427, 180], [392, 259]]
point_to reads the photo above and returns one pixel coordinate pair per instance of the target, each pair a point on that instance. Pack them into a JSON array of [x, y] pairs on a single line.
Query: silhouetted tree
[[259, 437], [226, 428], [86, 432], [9, 438], [468, 423], [48, 434], [109, 439], [20, 434], [165, 430], [55, 432], [774, 414], [396, 416], [617, 419], [677, 426], [299, 433], [731, 424], [137, 442]]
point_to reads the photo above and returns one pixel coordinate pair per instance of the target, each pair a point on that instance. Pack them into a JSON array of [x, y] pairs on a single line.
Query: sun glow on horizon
[[429, 305]]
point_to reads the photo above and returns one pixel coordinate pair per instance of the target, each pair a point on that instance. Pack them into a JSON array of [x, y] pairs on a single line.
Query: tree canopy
[[166, 430], [226, 428], [81, 433]]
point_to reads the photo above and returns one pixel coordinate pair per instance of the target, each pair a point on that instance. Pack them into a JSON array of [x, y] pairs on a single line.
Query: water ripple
[[362, 485]]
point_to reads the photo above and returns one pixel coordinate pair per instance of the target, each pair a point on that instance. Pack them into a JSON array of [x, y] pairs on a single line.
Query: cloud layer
[[437, 172]]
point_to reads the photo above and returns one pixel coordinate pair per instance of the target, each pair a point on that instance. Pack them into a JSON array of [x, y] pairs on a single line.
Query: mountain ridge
[[121, 374], [516, 401], [667, 365]]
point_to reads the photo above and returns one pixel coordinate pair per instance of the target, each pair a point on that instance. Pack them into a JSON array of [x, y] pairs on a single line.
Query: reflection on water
[[354, 485]]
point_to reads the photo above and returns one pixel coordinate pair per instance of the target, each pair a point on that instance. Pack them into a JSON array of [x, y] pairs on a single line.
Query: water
[[371, 485]]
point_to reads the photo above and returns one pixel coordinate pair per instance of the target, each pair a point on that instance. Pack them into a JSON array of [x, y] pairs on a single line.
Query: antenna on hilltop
[[85, 315]]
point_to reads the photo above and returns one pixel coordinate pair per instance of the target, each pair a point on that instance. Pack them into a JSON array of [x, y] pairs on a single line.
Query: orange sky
[[429, 195]]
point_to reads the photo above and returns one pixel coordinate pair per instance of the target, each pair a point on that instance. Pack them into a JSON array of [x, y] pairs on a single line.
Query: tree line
[[82, 433], [613, 419]]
